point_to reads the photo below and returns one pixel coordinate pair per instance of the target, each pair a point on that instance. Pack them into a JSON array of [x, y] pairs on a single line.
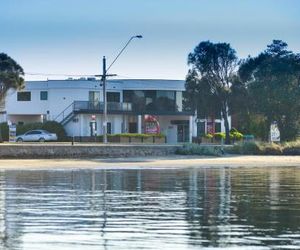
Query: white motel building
[[76, 102]]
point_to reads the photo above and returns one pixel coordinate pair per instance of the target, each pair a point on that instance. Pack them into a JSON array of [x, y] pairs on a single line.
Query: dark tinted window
[[34, 132], [217, 127], [200, 128], [24, 96], [109, 128], [132, 127], [113, 96], [44, 95], [150, 100]]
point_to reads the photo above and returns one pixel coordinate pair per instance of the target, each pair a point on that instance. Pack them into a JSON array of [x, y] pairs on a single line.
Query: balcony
[[114, 107]]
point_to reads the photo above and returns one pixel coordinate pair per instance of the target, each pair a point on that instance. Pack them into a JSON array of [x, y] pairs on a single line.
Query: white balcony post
[[139, 124], [191, 125]]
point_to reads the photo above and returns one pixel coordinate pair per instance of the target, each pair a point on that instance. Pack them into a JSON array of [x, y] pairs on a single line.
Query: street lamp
[[104, 75]]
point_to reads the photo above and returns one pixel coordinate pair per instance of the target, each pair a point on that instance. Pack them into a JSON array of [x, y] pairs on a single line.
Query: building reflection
[[213, 207]]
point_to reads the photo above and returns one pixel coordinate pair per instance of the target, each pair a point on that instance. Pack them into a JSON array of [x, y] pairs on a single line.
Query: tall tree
[[209, 81], [273, 82], [11, 76]]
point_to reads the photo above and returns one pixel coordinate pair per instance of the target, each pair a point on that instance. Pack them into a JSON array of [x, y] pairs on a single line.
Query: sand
[[151, 162]]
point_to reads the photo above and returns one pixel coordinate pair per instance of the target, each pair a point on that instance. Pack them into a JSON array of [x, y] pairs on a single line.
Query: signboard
[[151, 125], [12, 132], [274, 132], [210, 125]]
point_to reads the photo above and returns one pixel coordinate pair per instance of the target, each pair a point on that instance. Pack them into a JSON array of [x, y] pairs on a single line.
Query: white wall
[[80, 126], [60, 95], [24, 118]]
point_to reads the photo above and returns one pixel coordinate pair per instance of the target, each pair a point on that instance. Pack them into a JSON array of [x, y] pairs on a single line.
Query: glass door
[[182, 133]]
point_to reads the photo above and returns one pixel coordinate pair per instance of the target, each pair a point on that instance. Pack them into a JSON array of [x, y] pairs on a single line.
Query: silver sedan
[[37, 135]]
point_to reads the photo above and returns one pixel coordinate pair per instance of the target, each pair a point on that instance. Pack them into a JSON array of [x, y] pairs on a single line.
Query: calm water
[[221, 208]]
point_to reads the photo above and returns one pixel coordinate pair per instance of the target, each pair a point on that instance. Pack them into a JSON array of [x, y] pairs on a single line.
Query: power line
[[76, 75], [54, 74]]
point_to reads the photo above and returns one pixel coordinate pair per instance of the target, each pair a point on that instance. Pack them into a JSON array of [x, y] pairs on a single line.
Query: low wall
[[33, 151]]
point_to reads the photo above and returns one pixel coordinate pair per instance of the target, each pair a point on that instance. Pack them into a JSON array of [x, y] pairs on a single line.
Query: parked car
[[37, 135]]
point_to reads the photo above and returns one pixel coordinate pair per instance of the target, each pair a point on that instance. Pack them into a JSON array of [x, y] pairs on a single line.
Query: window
[[24, 96], [113, 96], [109, 128], [200, 129], [44, 95], [217, 127], [133, 127], [33, 132]]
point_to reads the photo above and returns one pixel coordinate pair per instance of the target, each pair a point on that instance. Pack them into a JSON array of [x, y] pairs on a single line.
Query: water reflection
[[236, 208]]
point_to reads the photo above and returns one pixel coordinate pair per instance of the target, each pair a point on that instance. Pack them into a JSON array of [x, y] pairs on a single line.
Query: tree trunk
[[1, 140], [226, 124]]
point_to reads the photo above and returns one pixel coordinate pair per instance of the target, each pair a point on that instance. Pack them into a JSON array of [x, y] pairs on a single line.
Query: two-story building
[[77, 104]]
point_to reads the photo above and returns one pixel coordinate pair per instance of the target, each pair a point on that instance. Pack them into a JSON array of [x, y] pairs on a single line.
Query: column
[[191, 129], [139, 124]]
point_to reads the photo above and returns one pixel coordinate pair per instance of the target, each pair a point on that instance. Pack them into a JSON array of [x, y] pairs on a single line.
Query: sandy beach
[[151, 162]]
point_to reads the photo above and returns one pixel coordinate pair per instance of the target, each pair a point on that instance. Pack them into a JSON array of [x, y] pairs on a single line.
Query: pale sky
[[72, 36]]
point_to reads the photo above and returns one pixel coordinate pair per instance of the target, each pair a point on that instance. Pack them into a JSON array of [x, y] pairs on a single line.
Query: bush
[[247, 148], [4, 131], [134, 135], [236, 136], [271, 149], [219, 136], [196, 149], [291, 148], [233, 130], [208, 136]]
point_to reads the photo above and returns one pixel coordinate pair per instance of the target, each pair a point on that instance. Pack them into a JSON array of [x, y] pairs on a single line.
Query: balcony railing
[[99, 106]]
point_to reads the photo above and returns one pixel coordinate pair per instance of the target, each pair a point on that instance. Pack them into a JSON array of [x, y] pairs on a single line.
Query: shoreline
[[173, 161]]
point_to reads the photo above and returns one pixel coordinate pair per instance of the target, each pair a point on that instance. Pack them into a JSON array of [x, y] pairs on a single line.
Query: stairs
[[68, 118]]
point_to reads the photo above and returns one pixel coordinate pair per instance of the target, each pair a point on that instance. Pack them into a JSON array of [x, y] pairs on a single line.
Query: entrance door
[[183, 133]]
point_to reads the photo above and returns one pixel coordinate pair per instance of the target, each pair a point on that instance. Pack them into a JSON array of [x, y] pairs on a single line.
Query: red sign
[[151, 125]]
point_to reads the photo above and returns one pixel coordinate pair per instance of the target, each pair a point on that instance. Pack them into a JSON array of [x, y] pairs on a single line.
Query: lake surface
[[191, 208]]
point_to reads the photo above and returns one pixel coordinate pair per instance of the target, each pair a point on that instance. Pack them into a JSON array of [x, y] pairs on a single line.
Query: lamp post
[[104, 76]]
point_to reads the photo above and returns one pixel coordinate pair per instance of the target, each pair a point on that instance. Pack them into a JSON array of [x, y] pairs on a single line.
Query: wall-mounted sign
[[274, 132], [151, 125], [12, 132]]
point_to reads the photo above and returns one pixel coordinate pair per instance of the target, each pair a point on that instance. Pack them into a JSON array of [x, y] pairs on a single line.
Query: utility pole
[[103, 78], [104, 101]]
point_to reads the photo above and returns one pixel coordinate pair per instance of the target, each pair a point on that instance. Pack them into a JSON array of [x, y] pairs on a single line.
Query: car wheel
[[42, 140], [19, 140]]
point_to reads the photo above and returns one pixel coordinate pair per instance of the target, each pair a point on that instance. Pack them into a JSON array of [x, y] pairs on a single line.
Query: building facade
[[78, 106]]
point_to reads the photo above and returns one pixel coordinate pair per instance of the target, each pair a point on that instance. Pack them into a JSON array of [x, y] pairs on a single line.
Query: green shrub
[[247, 148], [134, 135], [4, 131], [219, 136], [291, 148], [208, 136], [271, 149], [196, 149], [21, 129], [233, 130], [237, 136]]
